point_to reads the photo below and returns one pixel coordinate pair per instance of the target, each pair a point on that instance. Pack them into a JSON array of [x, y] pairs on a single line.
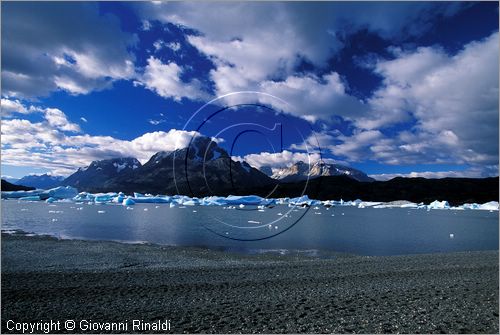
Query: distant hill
[[6, 186], [44, 181]]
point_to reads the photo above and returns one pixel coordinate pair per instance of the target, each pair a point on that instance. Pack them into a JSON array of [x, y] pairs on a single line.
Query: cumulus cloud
[[61, 46], [54, 117], [453, 100], [54, 144], [57, 119], [313, 98], [266, 59], [276, 160], [13, 106], [165, 80]]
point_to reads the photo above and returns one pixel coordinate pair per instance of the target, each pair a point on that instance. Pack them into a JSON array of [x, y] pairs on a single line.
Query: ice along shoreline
[[71, 194]]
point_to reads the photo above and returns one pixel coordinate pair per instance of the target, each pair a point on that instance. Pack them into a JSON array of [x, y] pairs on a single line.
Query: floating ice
[[303, 201], [439, 205], [20, 194], [250, 200], [128, 202], [30, 198], [102, 198], [61, 192], [68, 194]]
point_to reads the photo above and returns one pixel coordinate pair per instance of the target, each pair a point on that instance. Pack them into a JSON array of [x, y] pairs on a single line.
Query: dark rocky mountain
[[6, 186], [44, 181], [300, 171], [98, 173], [201, 169]]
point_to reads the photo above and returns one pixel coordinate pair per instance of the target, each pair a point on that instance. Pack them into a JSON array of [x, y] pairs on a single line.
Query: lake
[[363, 231]]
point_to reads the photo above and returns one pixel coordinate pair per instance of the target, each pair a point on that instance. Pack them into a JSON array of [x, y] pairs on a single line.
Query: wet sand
[[207, 291]]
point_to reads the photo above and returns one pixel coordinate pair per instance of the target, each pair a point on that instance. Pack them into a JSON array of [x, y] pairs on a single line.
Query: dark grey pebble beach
[[207, 291]]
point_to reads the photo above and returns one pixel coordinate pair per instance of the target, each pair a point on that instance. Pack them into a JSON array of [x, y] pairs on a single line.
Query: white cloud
[[453, 99], [174, 46], [57, 119], [165, 80], [467, 173], [156, 122], [83, 119], [61, 46], [54, 144], [158, 45], [279, 159], [266, 59], [10, 107], [313, 98]]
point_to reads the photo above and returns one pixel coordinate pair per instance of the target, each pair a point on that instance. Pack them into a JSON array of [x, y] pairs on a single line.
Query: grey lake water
[[364, 231]]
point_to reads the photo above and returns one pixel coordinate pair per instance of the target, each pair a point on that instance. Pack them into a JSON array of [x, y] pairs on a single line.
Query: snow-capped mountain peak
[[302, 171]]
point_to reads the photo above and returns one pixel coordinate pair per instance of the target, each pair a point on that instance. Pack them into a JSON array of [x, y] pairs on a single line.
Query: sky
[[391, 88]]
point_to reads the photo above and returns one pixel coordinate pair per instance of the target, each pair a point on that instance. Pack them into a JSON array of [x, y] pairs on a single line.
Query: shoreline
[[204, 290]]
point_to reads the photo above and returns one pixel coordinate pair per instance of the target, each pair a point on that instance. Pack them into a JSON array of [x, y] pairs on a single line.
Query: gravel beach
[[207, 291]]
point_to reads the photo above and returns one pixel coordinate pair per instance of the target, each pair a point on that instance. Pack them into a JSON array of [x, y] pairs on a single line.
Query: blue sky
[[391, 88]]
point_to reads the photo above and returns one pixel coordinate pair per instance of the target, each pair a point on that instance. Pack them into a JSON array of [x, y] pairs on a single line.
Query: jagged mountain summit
[[300, 171], [203, 168], [44, 181], [100, 172]]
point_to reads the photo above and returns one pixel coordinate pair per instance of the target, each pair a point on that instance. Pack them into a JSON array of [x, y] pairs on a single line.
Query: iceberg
[[213, 201], [102, 198], [303, 201], [364, 204], [128, 202], [490, 206], [119, 198], [50, 200], [30, 198], [439, 205], [61, 192], [250, 200], [20, 194], [84, 196]]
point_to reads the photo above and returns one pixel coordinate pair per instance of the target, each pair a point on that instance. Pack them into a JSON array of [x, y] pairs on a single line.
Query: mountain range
[[44, 181], [204, 168], [201, 169]]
